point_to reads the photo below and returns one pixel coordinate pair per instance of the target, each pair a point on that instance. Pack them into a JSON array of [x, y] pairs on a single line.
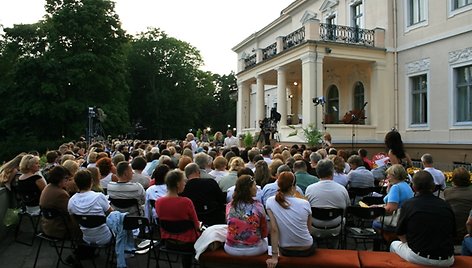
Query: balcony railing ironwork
[[250, 61], [269, 51], [346, 34], [294, 38]]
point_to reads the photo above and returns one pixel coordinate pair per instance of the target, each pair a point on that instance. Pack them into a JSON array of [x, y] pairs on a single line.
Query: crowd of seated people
[[205, 179]]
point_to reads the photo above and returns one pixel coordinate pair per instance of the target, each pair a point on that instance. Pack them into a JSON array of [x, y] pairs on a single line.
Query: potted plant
[[312, 135]]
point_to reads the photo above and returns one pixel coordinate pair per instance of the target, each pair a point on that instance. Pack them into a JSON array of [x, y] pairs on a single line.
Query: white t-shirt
[[154, 192], [218, 174], [231, 141], [105, 181], [127, 190], [292, 222], [91, 203], [438, 176], [327, 194]]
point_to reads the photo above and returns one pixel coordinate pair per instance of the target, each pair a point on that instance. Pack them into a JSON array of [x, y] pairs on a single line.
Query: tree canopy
[[78, 56]]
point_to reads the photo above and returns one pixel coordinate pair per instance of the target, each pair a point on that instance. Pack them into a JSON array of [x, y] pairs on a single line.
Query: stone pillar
[[312, 29], [312, 86], [259, 55], [382, 99], [239, 108], [282, 95], [280, 44], [260, 109], [379, 37]]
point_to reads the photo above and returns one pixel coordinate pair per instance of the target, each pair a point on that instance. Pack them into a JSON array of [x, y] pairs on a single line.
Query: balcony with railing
[[346, 34], [313, 30]]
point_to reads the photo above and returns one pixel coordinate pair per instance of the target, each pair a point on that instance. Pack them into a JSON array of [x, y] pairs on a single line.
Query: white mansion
[[410, 60]]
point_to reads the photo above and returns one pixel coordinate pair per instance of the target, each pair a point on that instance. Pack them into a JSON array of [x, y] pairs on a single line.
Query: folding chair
[[359, 224], [142, 223], [373, 200], [124, 204], [355, 193], [175, 227], [93, 221], [329, 214], [57, 242], [24, 198]]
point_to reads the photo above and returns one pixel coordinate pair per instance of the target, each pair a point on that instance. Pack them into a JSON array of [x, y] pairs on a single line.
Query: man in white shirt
[[191, 139], [438, 175], [230, 140], [327, 194]]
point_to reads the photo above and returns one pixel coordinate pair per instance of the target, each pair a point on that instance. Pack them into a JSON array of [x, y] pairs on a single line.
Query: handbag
[[392, 220], [11, 217]]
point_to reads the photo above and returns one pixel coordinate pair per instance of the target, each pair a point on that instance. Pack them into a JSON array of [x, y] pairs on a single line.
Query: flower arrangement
[[447, 174]]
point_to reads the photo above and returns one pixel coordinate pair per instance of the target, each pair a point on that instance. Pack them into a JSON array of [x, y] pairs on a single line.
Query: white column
[[282, 95], [260, 109], [309, 75], [239, 108]]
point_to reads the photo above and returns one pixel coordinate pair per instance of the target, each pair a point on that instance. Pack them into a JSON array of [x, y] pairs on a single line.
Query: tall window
[[332, 105], [419, 100], [463, 94], [416, 11], [331, 23], [356, 11], [358, 96], [456, 4]]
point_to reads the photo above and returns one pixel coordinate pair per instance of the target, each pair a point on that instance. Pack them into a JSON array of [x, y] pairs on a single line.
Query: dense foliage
[[78, 56]]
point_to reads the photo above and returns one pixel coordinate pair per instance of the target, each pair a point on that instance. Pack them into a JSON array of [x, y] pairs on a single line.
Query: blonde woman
[[30, 183], [229, 180], [9, 170]]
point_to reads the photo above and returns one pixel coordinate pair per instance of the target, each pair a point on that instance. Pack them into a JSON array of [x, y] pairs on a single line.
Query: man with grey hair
[[270, 189], [203, 161], [327, 194], [438, 175], [208, 199], [359, 176], [314, 158]]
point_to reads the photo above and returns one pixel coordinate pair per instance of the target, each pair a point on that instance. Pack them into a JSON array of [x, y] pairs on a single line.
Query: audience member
[[438, 175], [303, 178], [247, 224], [290, 221], [459, 197], [219, 171], [229, 180], [426, 226], [138, 164], [359, 176]]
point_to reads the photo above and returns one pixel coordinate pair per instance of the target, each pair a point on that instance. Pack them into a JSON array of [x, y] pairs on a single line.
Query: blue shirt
[[399, 193]]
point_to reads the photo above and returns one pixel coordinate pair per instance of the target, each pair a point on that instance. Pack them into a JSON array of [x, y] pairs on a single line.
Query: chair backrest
[[123, 203], [51, 213], [135, 222], [373, 200], [437, 189], [326, 214], [366, 213], [90, 221], [176, 227], [353, 192]]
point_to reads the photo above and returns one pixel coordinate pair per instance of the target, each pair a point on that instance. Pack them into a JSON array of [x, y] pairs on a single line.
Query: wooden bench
[[322, 258]]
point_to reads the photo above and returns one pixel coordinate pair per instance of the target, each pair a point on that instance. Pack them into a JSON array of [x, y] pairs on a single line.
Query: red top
[[177, 209]]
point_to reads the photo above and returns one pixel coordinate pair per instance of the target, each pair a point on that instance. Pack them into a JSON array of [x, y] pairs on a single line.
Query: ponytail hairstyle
[[285, 182]]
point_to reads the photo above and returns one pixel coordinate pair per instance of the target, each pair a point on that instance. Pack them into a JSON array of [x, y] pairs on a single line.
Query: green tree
[[164, 77], [224, 102]]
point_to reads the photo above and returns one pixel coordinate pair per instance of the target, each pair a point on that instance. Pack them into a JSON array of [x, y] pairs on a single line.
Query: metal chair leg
[[37, 253]]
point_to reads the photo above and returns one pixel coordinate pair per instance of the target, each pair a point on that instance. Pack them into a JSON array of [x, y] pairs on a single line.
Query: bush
[[312, 135], [248, 140]]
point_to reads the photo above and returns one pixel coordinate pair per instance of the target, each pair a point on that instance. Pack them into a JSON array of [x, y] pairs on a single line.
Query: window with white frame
[[356, 11], [416, 11], [463, 94], [332, 105], [456, 4], [419, 99]]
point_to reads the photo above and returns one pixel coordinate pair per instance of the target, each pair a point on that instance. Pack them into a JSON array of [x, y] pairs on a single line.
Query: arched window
[[332, 105], [358, 95]]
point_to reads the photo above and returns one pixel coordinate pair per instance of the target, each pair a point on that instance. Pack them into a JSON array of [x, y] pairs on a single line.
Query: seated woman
[[30, 183], [87, 202], [55, 197], [290, 221], [172, 207], [398, 191], [156, 191], [247, 223]]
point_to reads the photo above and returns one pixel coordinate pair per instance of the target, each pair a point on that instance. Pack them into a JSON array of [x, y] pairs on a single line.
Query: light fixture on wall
[[295, 83], [290, 96], [328, 50]]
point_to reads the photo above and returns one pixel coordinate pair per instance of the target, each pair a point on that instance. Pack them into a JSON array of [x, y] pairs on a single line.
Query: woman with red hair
[[290, 221]]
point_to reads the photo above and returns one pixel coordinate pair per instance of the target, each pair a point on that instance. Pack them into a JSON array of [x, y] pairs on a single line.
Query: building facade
[[406, 64]]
